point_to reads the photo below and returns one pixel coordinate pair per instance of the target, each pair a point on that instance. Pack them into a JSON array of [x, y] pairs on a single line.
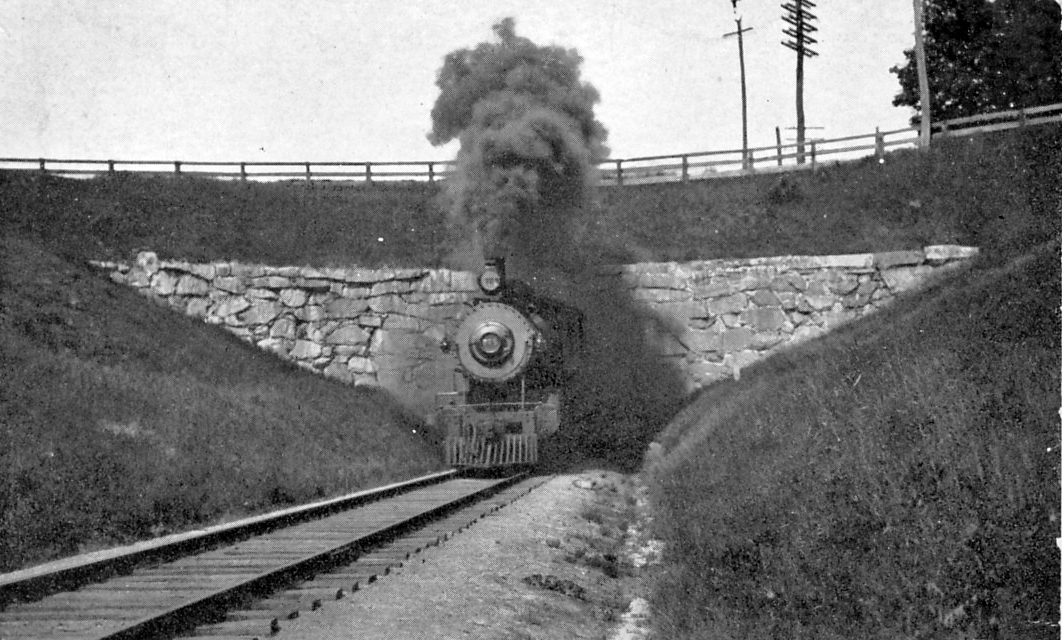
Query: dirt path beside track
[[559, 563]]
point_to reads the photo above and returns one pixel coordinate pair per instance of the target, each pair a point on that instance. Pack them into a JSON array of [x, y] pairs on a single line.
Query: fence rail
[[623, 171]]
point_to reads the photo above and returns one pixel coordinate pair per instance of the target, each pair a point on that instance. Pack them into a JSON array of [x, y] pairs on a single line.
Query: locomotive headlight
[[491, 343], [490, 281]]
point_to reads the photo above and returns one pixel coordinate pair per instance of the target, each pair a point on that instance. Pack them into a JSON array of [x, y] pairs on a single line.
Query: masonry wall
[[384, 327]]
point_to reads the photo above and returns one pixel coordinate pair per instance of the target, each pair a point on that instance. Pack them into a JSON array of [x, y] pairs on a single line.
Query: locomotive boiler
[[515, 352]]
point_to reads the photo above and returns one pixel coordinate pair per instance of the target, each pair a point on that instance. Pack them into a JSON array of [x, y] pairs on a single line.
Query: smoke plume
[[529, 147], [525, 174]]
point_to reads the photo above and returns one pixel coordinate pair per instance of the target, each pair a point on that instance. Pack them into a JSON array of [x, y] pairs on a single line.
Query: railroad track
[[247, 579]]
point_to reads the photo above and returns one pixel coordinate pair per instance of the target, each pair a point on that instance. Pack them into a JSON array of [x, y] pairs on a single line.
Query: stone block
[[312, 313], [729, 304], [702, 341], [339, 371], [817, 297], [275, 345], [148, 262], [890, 259], [305, 350], [789, 281], [230, 306], [396, 322], [313, 285], [189, 285], [841, 283], [713, 289], [137, 277], [763, 318], [345, 308], [283, 327], [765, 298], [204, 271], [261, 312], [768, 340], [271, 282], [293, 297], [164, 283], [361, 364], [349, 333], [196, 307], [939, 253], [905, 278], [247, 270], [230, 284], [787, 299], [261, 294], [736, 339], [730, 320], [805, 332]]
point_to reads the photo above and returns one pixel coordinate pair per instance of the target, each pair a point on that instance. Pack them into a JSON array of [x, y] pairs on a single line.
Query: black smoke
[[529, 148], [525, 176]]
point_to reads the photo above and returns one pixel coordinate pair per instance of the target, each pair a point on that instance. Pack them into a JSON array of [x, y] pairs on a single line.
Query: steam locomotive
[[516, 353]]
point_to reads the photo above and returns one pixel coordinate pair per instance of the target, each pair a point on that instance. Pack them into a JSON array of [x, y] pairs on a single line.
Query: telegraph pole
[[924, 98], [800, 18], [744, 95]]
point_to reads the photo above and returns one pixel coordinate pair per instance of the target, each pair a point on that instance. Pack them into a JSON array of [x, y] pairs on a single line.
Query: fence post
[[879, 144], [309, 177], [813, 166], [1021, 118], [619, 172], [778, 141], [41, 163], [751, 162], [110, 166], [243, 171], [685, 168], [368, 173], [431, 172], [177, 167]]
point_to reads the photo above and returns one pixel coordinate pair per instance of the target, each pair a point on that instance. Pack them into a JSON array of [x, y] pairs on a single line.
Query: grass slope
[[120, 419], [898, 478]]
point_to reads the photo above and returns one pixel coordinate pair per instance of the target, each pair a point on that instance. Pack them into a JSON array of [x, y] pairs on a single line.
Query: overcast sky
[[280, 80]]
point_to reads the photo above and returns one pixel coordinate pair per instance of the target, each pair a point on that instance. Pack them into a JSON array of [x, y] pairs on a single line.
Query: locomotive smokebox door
[[495, 342]]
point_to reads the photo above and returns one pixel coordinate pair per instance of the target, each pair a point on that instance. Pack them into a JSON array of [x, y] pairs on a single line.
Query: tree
[[984, 56]]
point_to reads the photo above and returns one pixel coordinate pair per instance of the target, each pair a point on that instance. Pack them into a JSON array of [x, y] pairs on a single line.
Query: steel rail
[[69, 573], [162, 600]]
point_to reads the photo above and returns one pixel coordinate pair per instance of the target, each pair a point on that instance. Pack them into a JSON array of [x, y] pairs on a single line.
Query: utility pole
[[924, 99], [800, 18], [744, 95]]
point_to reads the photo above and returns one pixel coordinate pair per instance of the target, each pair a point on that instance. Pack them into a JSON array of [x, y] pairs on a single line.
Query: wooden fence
[[626, 171]]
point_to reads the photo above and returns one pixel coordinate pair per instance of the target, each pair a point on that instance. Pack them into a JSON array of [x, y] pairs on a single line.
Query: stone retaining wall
[[383, 327], [719, 316]]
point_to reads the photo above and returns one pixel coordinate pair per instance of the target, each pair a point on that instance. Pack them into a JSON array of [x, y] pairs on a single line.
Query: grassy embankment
[[898, 478], [120, 419]]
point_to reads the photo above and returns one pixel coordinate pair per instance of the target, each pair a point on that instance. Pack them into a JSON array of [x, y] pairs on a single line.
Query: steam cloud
[[529, 146]]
